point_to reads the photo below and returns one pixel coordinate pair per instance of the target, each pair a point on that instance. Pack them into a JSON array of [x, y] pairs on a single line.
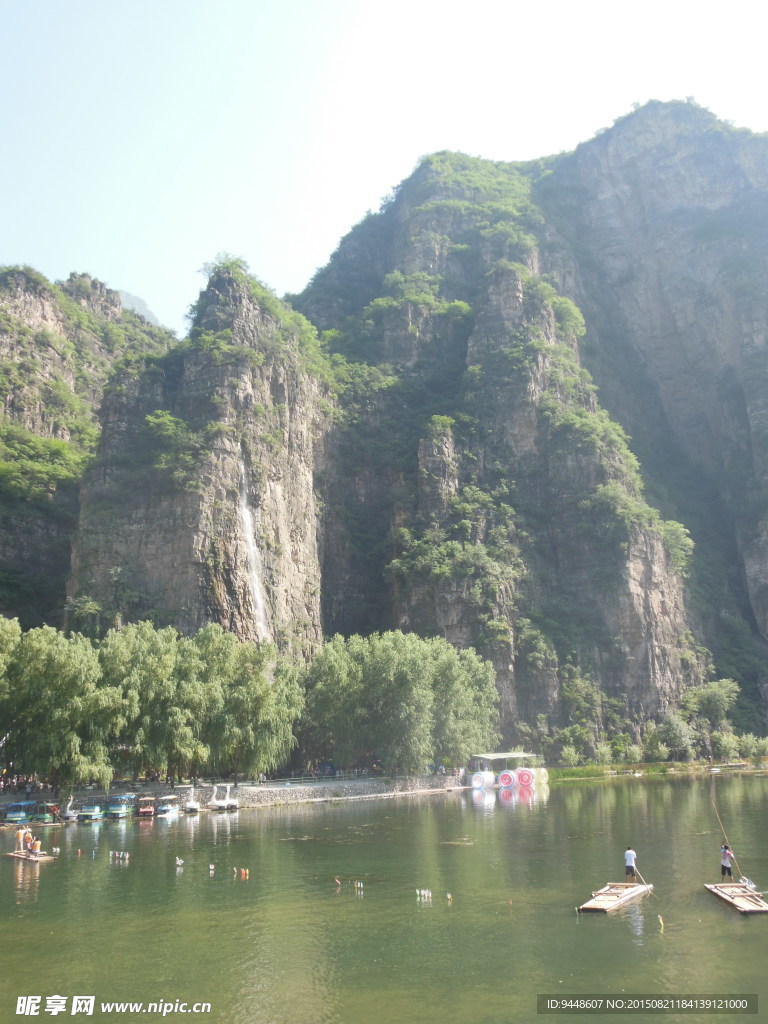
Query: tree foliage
[[409, 701]]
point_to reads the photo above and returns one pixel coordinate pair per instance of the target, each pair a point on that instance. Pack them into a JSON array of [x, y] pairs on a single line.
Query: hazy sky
[[143, 137]]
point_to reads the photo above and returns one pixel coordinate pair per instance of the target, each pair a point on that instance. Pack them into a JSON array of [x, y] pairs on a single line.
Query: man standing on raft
[[726, 859], [629, 864]]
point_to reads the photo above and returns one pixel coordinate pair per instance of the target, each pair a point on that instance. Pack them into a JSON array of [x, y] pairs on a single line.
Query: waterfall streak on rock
[[254, 561]]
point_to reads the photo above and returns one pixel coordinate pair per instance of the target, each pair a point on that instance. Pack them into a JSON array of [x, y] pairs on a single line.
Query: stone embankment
[[280, 792]]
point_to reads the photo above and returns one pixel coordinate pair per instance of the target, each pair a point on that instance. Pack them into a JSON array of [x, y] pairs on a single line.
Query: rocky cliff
[[522, 407], [58, 344], [201, 506]]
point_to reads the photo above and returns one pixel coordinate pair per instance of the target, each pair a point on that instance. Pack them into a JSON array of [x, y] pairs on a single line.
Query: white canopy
[[499, 754]]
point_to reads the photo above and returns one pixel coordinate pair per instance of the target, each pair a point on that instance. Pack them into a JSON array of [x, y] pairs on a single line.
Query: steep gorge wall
[[507, 530], [670, 237], [231, 538], [57, 346], [449, 460]]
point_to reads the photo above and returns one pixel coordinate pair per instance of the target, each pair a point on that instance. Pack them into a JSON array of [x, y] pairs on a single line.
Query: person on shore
[[629, 864], [726, 860]]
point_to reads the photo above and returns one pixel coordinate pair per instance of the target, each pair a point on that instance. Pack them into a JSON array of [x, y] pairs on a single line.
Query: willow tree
[[163, 698], [251, 711], [408, 700], [59, 718]]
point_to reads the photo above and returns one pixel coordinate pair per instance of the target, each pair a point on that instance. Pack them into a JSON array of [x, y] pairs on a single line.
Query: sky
[[142, 138]]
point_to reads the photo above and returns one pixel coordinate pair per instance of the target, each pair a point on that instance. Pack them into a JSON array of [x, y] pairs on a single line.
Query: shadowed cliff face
[[518, 523], [57, 346], [670, 239]]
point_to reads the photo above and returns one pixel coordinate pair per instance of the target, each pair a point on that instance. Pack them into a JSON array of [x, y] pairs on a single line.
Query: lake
[[255, 923]]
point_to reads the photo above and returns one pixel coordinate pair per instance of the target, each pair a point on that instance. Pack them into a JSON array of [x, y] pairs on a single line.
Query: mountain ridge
[[497, 415]]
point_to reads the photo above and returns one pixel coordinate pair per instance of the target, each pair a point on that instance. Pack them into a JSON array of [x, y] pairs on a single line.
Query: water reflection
[[26, 879], [636, 922], [484, 799], [295, 941]]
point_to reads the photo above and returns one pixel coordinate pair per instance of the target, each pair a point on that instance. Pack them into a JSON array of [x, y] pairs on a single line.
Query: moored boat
[[740, 896], [90, 813], [231, 803], [20, 812], [214, 804], [145, 807], [68, 814], [167, 806], [614, 895], [45, 813], [192, 806], [121, 806]]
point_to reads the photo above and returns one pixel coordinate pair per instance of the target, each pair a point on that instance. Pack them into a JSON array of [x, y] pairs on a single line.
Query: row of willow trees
[[144, 700]]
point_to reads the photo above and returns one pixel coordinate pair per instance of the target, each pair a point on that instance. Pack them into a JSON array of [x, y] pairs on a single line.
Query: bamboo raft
[[740, 897], [614, 895], [35, 858]]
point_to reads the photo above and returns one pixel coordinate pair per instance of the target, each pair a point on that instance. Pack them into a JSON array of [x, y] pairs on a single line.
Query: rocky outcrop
[[57, 346], [534, 382], [669, 235], [213, 516]]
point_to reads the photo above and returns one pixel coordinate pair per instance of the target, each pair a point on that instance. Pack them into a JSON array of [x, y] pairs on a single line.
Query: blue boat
[[121, 806], [167, 806], [89, 814], [21, 812]]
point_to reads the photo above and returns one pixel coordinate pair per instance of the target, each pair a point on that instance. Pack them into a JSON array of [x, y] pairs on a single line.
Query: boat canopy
[[500, 755]]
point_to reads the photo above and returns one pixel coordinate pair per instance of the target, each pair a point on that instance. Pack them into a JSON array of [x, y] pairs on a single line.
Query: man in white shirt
[[629, 864], [726, 859]]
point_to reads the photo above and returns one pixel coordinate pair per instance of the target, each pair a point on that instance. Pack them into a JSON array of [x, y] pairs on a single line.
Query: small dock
[[614, 895], [35, 858], [740, 897]]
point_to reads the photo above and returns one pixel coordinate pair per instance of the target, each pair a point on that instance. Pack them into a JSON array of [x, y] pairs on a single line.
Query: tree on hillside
[[708, 708]]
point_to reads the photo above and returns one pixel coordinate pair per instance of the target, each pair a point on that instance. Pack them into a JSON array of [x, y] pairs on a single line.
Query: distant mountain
[[138, 305]]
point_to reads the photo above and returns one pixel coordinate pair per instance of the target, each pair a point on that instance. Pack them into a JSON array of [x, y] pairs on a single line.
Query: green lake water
[[288, 945]]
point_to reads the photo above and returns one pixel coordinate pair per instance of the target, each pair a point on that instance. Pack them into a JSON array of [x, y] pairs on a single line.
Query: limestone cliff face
[[669, 235], [57, 346], [231, 537], [518, 525], [534, 381]]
